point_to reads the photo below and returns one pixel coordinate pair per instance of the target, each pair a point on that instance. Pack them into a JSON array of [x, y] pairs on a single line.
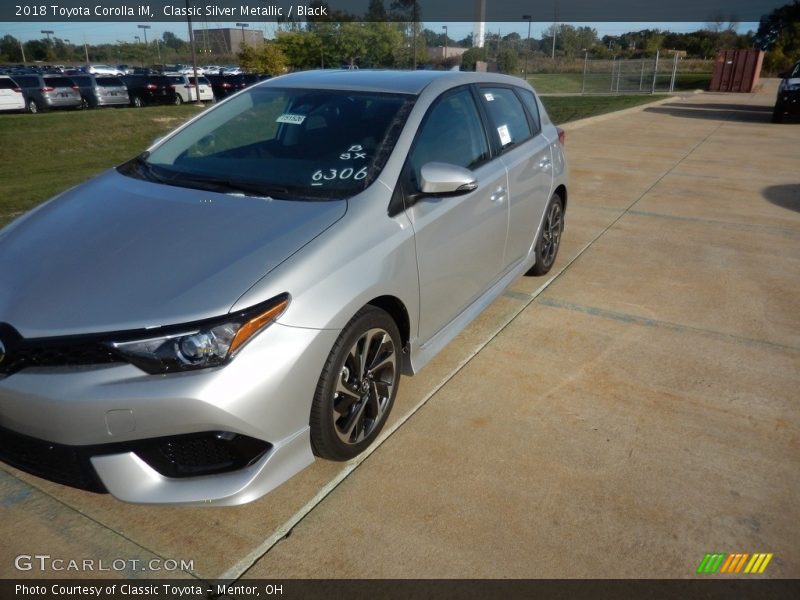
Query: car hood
[[120, 253]]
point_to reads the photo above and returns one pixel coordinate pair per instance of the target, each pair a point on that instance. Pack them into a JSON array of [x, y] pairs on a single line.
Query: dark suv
[[788, 100], [43, 92], [149, 89], [225, 85]]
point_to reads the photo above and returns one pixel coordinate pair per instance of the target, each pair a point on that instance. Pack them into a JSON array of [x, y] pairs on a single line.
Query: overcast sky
[[99, 33]]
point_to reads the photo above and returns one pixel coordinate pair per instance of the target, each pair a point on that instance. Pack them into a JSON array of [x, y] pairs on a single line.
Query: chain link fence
[[632, 76], [655, 75]]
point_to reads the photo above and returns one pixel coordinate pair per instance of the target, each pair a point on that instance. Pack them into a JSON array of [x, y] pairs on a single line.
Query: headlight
[[199, 345]]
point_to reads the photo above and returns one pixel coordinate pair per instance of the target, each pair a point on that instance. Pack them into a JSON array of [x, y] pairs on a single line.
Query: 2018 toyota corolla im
[[196, 324]]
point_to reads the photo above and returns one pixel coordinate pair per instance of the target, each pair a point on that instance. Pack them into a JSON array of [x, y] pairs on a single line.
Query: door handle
[[499, 195]]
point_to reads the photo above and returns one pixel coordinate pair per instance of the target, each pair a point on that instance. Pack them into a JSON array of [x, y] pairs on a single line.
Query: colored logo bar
[[737, 562]]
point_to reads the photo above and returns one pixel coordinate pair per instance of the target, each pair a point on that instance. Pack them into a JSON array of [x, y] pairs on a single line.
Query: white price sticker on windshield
[[489, 97], [505, 136], [290, 118]]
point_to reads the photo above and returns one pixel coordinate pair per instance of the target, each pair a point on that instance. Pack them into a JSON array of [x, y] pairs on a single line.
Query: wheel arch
[[561, 190], [397, 310]]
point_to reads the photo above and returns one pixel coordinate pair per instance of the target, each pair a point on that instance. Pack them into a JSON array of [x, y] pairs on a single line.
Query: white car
[[185, 91], [11, 97], [103, 70]]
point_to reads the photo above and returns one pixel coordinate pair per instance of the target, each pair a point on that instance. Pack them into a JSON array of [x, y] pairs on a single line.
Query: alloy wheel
[[364, 388]]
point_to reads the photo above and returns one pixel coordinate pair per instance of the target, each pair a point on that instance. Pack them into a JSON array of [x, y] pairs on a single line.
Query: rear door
[[516, 133], [111, 88], [460, 240], [10, 95]]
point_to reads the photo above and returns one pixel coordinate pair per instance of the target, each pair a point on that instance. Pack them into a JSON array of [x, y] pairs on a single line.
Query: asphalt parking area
[[639, 404]]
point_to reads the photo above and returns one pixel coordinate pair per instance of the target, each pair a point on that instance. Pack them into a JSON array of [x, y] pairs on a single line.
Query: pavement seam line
[[605, 313], [93, 520], [246, 563]]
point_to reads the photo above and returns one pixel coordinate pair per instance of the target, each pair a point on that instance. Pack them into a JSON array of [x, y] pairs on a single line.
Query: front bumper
[[265, 393], [789, 101]]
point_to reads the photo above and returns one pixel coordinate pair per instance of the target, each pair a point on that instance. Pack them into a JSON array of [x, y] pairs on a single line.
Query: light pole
[[528, 17], [48, 33], [243, 25], [445, 41], [194, 52]]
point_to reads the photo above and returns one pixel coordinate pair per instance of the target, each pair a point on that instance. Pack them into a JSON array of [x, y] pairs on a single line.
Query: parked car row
[[35, 92]]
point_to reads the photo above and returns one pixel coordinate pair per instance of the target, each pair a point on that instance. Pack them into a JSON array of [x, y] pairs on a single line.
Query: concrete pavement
[[621, 418]]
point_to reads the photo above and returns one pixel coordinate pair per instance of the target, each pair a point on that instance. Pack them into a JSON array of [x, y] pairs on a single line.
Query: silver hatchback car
[[197, 324]]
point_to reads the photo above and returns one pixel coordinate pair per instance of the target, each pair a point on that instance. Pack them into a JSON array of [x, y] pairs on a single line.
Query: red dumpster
[[736, 70]]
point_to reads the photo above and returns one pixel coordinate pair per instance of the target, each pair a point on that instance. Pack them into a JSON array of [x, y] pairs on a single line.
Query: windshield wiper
[[223, 185]]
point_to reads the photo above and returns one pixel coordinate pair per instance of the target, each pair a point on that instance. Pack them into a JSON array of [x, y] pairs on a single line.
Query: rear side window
[[508, 120], [796, 71], [6, 84], [59, 82], [452, 134], [28, 81], [529, 100], [109, 81], [176, 79]]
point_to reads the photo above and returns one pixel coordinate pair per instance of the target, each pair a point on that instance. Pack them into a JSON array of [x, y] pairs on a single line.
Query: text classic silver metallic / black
[[195, 325]]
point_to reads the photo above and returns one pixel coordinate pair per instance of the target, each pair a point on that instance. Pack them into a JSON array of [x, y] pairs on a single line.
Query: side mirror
[[444, 179]]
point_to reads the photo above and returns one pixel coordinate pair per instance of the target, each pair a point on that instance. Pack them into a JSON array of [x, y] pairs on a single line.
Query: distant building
[[437, 53], [226, 40]]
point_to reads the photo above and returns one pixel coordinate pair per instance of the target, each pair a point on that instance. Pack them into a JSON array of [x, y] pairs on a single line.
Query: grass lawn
[[42, 155], [570, 108], [572, 83]]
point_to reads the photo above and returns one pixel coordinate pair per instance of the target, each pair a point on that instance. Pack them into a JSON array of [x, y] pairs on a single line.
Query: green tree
[[9, 49], [507, 61], [471, 56], [302, 49], [268, 58]]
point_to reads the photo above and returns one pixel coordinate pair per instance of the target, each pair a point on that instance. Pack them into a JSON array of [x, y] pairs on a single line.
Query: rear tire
[[357, 387], [84, 104], [549, 240], [33, 108], [137, 102], [178, 100]]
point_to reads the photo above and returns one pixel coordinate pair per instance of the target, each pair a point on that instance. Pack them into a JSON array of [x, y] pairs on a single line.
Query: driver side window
[[452, 133]]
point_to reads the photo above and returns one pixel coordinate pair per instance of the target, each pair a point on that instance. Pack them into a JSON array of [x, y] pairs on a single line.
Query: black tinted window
[[507, 115], [109, 81], [58, 82], [6, 84], [452, 133], [533, 108], [28, 81], [84, 81]]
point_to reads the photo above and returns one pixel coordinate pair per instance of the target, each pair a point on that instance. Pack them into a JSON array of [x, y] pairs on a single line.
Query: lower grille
[[67, 465], [189, 455]]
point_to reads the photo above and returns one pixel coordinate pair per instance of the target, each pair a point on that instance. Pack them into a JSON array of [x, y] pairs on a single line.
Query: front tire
[[777, 113], [178, 100], [357, 387], [137, 102], [549, 240], [33, 108]]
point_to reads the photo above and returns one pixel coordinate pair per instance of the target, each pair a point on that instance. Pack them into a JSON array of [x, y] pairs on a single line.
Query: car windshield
[[303, 144]]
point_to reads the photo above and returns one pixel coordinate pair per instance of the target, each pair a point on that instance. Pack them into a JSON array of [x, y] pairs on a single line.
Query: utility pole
[[445, 41], [144, 29], [86, 50], [528, 44], [22, 49]]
